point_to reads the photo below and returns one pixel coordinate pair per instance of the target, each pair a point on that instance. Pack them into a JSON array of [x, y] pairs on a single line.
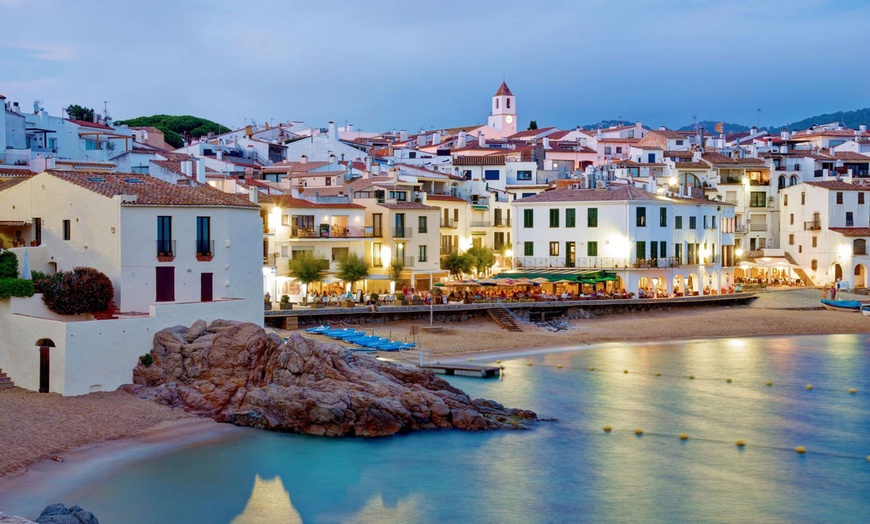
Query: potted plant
[[374, 297], [33, 243], [400, 298], [285, 302], [267, 302]]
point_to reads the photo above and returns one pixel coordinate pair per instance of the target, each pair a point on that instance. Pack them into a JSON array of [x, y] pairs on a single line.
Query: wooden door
[[165, 284], [206, 283]]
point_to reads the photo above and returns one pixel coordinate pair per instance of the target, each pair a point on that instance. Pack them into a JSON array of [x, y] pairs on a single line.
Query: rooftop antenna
[[106, 109], [695, 123], [758, 117]]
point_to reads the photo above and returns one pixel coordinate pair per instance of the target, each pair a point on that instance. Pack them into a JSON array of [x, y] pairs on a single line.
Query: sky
[[384, 65]]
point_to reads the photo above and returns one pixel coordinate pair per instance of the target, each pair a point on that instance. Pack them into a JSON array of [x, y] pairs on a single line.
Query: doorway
[[570, 254], [45, 345], [206, 286]]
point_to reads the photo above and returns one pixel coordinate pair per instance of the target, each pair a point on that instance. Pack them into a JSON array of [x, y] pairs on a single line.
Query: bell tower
[[503, 116]]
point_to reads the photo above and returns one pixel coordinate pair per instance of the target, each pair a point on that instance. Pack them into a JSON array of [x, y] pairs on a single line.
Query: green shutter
[[570, 217], [528, 218], [592, 217], [554, 218]]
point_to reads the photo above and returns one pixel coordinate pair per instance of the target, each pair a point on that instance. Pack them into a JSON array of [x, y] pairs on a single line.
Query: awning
[[15, 223], [479, 207]]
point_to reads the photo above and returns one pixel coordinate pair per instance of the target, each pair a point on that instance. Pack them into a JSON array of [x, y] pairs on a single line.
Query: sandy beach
[[39, 426]]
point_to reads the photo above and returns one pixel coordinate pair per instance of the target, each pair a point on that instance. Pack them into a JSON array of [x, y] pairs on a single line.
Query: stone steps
[[504, 319], [5, 381]]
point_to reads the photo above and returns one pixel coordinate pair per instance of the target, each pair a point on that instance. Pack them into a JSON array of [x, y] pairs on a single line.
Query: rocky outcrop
[[237, 373], [60, 514]]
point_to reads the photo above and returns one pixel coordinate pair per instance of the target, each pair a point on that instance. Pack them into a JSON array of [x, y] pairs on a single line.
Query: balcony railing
[[165, 250], [332, 232], [204, 249], [740, 229], [449, 250], [813, 225], [598, 262], [402, 232], [448, 223], [504, 222], [405, 261], [270, 259], [481, 223]]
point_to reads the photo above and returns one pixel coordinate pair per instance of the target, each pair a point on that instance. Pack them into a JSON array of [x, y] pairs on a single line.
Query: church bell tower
[[503, 116]]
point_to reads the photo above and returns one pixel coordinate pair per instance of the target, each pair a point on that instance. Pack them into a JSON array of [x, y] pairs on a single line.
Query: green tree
[[533, 125], [77, 112], [457, 264], [395, 270], [352, 268], [305, 268], [482, 258], [176, 127]]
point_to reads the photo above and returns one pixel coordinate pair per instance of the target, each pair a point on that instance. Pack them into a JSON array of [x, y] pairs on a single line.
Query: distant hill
[[710, 127], [851, 119], [175, 127], [604, 124]]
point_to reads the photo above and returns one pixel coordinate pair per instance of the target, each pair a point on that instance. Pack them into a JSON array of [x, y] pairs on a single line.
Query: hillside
[[851, 119], [710, 127], [175, 127]]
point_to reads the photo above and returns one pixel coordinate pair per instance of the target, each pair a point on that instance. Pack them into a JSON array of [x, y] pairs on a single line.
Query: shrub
[[400, 296], [15, 287], [8, 265], [146, 360], [82, 290], [374, 296], [285, 299], [40, 281]]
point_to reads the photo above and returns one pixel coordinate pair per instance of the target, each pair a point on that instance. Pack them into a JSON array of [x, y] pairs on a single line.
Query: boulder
[[60, 514], [237, 373]]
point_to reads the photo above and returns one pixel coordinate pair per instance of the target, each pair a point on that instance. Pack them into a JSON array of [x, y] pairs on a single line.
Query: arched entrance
[[713, 282], [44, 362], [679, 285], [838, 272], [860, 276], [692, 285]]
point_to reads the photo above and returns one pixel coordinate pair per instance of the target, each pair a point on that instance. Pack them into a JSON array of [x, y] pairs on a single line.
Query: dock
[[462, 370]]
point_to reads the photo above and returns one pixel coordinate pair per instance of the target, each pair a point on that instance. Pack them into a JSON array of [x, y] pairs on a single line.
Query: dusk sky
[[382, 65]]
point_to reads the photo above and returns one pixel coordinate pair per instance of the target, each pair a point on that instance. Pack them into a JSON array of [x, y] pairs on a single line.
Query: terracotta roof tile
[[85, 123], [531, 133], [720, 159], [408, 205], [503, 90], [8, 171], [289, 202], [589, 195], [445, 198], [852, 231], [497, 159], [837, 185], [691, 165], [150, 191]]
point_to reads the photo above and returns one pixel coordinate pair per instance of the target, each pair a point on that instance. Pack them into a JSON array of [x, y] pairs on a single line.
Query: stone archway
[[44, 345], [713, 282], [860, 276], [838, 272], [679, 285], [692, 283]]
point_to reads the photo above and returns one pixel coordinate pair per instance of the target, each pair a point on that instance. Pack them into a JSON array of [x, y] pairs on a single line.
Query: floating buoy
[[607, 429], [498, 361], [852, 391], [728, 380], [658, 374], [638, 431], [868, 458], [683, 436], [691, 377], [740, 443], [800, 450], [768, 383], [559, 366], [809, 387], [591, 368], [625, 371], [528, 363]]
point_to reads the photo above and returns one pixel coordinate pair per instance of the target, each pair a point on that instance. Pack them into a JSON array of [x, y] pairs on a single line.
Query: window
[[164, 235], [850, 221], [713, 221], [859, 246], [528, 218], [785, 200], [422, 224], [508, 101], [791, 239], [554, 218], [490, 174], [640, 215], [618, 150], [800, 249], [592, 217], [678, 222], [570, 217], [803, 198], [814, 265], [499, 240], [529, 249], [705, 221], [456, 215], [757, 199], [860, 198], [641, 249], [400, 196], [693, 222], [651, 158], [678, 253], [377, 247], [815, 241], [66, 229], [592, 249], [422, 253], [399, 225], [791, 219], [496, 103], [203, 236], [679, 142], [524, 175], [663, 217], [839, 197], [339, 253], [663, 249], [554, 249], [606, 150]]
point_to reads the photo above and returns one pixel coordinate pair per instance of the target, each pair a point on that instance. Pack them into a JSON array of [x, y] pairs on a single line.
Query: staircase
[[800, 272], [504, 319], [5, 382]]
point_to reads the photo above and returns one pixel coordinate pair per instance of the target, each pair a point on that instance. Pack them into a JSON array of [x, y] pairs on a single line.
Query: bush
[[400, 296], [40, 281], [15, 287], [285, 299], [374, 296], [8, 265], [82, 290], [146, 360]]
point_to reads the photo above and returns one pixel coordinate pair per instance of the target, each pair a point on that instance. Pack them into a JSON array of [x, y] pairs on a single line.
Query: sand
[[38, 426]]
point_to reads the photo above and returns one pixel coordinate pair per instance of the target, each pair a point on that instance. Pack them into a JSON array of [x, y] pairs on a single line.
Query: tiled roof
[[8, 171], [289, 202], [294, 167], [488, 160], [852, 231], [720, 159], [408, 205], [568, 147], [691, 165], [445, 198], [503, 90], [363, 183], [679, 154], [837, 185], [150, 191], [6, 184], [589, 195], [531, 133], [851, 155], [658, 139], [85, 123], [558, 135]]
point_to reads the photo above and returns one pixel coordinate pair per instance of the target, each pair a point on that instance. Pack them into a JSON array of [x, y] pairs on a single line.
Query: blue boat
[[850, 306]]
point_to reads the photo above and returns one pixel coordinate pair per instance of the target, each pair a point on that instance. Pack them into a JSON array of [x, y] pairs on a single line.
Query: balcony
[[449, 223], [325, 231], [740, 229], [598, 262], [405, 261], [504, 222], [813, 225], [165, 250], [204, 250], [481, 223], [449, 250], [270, 259], [402, 232]]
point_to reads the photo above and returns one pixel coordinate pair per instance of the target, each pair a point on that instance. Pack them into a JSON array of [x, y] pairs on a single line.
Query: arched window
[[859, 246], [794, 180], [782, 182], [496, 103], [508, 103]]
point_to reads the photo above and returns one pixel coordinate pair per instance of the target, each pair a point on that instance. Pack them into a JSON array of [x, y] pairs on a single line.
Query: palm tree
[[352, 268]]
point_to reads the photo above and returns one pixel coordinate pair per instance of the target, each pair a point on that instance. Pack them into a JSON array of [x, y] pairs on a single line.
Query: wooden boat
[[865, 310], [851, 306]]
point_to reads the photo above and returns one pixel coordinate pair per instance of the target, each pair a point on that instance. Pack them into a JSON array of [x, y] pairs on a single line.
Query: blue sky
[[400, 64]]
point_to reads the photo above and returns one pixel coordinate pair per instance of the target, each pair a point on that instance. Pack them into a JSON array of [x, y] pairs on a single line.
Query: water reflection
[[376, 511], [269, 503]]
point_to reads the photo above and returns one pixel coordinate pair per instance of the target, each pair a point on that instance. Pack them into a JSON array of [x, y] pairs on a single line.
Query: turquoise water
[[562, 471]]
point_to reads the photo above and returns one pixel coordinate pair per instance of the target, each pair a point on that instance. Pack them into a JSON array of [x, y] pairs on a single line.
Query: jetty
[[462, 370]]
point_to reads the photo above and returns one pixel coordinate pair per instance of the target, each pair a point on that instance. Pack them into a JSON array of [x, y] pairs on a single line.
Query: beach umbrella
[[540, 280], [25, 265], [487, 282]]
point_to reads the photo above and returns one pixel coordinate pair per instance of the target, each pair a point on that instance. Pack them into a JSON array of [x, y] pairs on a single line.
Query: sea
[[775, 394]]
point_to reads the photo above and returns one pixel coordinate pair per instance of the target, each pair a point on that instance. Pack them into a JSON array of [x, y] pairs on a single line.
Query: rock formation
[[236, 372], [60, 514]]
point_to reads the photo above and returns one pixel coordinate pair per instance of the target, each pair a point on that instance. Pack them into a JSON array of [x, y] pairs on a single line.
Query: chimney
[[349, 128], [303, 159], [461, 141], [481, 140], [546, 143], [753, 131], [785, 134], [862, 128], [403, 135], [701, 138], [331, 158], [220, 154], [187, 168], [662, 128], [436, 138], [249, 131], [200, 170], [332, 135], [368, 167], [253, 194]]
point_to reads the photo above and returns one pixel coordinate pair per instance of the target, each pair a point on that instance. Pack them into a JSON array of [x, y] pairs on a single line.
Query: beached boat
[[865, 310], [851, 306]]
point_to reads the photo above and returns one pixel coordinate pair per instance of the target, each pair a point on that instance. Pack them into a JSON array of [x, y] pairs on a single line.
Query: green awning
[[479, 207]]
